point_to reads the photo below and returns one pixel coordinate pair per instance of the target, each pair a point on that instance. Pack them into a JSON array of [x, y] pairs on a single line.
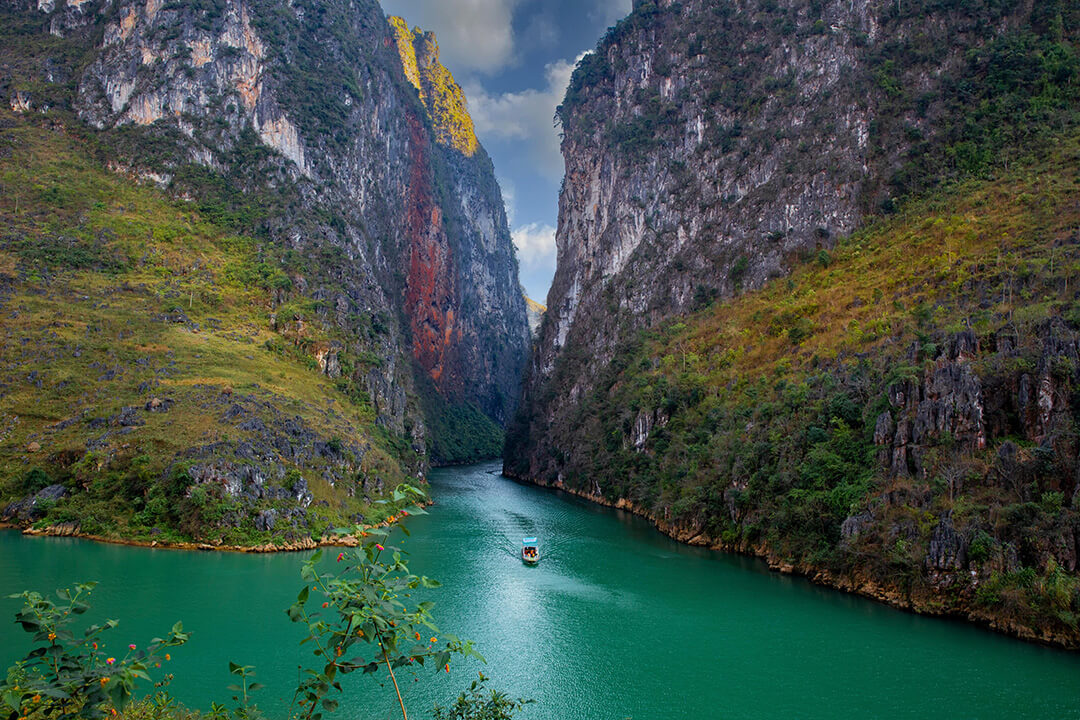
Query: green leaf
[[330, 705], [54, 692], [303, 596]]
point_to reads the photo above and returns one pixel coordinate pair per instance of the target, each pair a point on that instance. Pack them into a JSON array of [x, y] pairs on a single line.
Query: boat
[[530, 550]]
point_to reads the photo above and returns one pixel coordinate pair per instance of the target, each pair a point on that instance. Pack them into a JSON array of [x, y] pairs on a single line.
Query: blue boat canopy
[[528, 541]]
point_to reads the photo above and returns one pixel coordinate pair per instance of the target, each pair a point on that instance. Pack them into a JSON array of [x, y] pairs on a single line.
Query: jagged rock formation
[[377, 227], [441, 95]]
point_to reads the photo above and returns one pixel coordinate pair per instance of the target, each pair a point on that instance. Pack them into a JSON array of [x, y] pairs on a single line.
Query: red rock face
[[431, 283]]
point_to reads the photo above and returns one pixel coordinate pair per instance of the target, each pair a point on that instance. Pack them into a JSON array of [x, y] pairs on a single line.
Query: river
[[617, 621]]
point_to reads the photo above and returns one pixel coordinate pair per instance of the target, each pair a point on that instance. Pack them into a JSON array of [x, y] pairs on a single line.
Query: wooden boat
[[530, 550]]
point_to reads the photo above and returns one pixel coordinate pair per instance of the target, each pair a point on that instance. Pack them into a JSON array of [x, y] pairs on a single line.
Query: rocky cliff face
[[415, 214], [489, 347], [710, 147]]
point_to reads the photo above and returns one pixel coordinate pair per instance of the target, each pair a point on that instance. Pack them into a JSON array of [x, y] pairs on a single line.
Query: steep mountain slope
[[375, 250], [708, 145], [897, 417], [712, 149], [144, 392]]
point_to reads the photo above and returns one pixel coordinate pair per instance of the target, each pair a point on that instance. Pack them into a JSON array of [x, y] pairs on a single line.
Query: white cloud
[[527, 115], [473, 34], [535, 245]]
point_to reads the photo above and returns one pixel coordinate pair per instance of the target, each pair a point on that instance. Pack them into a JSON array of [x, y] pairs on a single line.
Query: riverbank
[[71, 530], [926, 604]]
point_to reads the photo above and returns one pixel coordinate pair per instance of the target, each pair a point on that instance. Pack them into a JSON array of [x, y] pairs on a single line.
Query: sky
[[514, 59]]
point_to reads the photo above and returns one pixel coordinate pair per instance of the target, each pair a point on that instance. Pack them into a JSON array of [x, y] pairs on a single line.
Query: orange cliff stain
[[431, 284]]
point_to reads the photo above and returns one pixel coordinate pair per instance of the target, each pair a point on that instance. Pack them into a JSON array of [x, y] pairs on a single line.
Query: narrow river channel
[[616, 622]]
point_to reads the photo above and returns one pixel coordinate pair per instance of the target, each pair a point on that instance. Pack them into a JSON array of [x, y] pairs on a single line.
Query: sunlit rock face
[[457, 349], [386, 188]]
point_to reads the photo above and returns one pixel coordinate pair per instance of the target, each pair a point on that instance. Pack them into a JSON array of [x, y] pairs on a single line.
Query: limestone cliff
[[371, 222], [710, 147], [484, 257], [370, 174]]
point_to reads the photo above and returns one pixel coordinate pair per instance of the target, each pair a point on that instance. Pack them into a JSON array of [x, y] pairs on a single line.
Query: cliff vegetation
[[815, 296], [144, 391], [897, 417]]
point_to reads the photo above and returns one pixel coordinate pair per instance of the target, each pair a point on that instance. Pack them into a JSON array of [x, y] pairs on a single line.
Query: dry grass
[[977, 238]]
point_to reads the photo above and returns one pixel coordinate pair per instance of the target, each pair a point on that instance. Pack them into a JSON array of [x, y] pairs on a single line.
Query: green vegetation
[[1018, 89], [458, 433], [70, 675], [751, 423], [115, 298], [367, 608], [324, 62]]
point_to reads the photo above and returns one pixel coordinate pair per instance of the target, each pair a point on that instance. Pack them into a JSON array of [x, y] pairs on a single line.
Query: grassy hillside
[[771, 423], [142, 366]]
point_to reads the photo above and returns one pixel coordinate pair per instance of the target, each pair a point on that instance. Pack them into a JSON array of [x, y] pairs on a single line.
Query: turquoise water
[[616, 622]]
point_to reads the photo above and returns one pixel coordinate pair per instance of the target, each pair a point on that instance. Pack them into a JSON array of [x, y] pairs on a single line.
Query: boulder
[[265, 520]]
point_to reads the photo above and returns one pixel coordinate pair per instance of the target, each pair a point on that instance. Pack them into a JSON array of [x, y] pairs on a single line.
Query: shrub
[[480, 704], [35, 479], [71, 674]]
